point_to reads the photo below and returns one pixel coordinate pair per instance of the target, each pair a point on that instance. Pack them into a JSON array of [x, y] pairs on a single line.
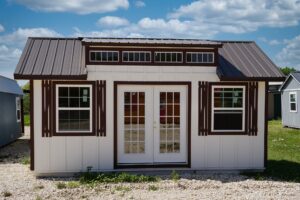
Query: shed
[[11, 111], [274, 100], [290, 98]]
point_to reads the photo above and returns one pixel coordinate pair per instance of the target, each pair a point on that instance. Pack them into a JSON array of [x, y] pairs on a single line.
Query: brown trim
[[245, 132], [22, 115], [203, 101], [152, 62], [223, 78], [252, 108], [266, 125], [116, 83], [100, 108], [92, 83], [31, 141], [50, 77]]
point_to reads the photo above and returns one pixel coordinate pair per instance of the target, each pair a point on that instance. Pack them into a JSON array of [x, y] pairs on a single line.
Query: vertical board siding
[[101, 108], [252, 108], [203, 103]]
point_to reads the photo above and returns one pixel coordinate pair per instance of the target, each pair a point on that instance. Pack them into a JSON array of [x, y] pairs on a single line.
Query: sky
[[272, 24]]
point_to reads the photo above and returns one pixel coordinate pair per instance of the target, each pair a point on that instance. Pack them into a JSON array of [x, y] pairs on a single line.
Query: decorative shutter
[[203, 103], [47, 112], [101, 108], [252, 108]]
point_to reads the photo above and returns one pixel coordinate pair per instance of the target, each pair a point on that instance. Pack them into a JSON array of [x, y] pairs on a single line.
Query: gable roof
[[8, 85], [64, 58], [52, 58], [294, 75]]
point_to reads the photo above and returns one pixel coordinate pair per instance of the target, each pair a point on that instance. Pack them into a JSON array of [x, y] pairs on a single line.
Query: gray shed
[[11, 111], [290, 98]]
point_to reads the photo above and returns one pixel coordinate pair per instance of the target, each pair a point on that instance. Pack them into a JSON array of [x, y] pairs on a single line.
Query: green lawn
[[283, 153], [27, 120]]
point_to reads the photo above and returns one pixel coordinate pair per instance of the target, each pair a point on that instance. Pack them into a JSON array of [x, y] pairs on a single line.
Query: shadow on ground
[[280, 170], [16, 152]]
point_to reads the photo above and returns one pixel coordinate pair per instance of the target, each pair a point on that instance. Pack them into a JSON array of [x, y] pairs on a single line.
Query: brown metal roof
[[245, 60], [52, 58], [64, 58]]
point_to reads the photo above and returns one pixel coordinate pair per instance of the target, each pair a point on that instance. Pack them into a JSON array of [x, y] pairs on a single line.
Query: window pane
[[98, 56], [63, 125], [115, 56], [109, 56], [179, 57], [125, 56], [63, 102], [174, 57], [200, 59], [162, 57], [74, 102], [228, 121], [210, 58], [168, 57], [136, 57], [292, 98], [84, 114], [74, 115], [84, 125], [157, 57], [63, 115], [131, 57], [188, 57], [85, 102], [147, 56], [194, 57], [93, 56], [142, 57], [293, 106], [74, 91], [205, 57], [104, 56], [63, 91]]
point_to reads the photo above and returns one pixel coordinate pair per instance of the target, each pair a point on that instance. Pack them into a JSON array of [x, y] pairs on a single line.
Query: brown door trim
[[116, 83], [31, 141]]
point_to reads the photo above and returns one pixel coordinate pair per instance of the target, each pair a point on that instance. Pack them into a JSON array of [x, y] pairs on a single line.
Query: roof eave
[[50, 77], [222, 78]]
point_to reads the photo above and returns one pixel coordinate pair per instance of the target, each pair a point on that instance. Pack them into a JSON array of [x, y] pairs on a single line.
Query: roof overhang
[[50, 77]]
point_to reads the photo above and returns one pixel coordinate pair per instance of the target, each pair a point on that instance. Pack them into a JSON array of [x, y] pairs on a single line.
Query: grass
[[73, 184], [153, 188], [283, 154], [27, 120], [95, 178], [61, 185], [25, 160], [175, 176]]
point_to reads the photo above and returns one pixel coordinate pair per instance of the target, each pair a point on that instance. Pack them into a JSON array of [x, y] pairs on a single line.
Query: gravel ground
[[18, 182]]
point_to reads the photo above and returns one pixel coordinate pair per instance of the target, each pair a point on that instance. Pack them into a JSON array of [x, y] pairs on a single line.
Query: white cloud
[[11, 46], [19, 37], [75, 6], [140, 4], [290, 54], [239, 16], [112, 21], [271, 42], [1, 28]]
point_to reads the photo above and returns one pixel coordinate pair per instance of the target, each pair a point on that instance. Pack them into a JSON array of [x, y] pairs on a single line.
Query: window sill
[[227, 133], [74, 134]]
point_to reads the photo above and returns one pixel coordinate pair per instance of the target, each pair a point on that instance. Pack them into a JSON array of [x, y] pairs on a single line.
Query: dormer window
[[199, 57], [168, 57], [104, 56], [136, 56]]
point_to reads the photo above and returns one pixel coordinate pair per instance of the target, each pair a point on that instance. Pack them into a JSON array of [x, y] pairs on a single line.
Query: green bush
[[175, 176], [61, 185]]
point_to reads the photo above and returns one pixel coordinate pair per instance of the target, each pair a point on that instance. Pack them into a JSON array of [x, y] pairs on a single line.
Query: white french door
[[152, 124]]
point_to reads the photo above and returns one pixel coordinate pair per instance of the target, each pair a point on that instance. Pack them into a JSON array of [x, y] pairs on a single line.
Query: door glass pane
[[169, 122], [134, 122]]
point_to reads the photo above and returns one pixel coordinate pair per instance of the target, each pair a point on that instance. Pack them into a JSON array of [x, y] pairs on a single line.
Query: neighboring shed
[[11, 111], [290, 97], [274, 100]]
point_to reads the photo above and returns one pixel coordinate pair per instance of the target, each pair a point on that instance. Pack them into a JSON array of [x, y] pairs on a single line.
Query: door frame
[[170, 165]]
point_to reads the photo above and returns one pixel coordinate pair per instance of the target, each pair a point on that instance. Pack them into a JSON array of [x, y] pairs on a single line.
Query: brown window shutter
[[101, 108], [252, 108], [203, 103], [47, 112]]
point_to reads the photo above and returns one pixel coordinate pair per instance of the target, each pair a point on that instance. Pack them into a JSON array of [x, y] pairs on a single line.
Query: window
[[18, 109], [199, 57], [293, 102], [136, 56], [228, 108], [104, 56], [168, 57], [73, 108]]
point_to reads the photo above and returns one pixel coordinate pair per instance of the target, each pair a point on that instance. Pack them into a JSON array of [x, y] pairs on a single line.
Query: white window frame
[[191, 52], [18, 108], [70, 108], [176, 52], [100, 51], [134, 57], [296, 105], [213, 108]]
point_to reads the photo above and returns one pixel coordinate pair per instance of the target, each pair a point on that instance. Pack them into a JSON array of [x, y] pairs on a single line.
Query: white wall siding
[[73, 154]]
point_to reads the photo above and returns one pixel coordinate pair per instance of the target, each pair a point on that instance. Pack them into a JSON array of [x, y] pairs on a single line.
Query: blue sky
[[273, 24]]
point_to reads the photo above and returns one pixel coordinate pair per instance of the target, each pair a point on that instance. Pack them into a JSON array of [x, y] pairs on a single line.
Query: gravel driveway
[[18, 182]]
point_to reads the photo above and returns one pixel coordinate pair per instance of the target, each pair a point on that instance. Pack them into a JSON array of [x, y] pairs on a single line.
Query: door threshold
[[153, 165]]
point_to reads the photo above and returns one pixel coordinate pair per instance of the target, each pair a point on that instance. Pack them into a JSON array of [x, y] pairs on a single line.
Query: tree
[[26, 99], [287, 70]]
